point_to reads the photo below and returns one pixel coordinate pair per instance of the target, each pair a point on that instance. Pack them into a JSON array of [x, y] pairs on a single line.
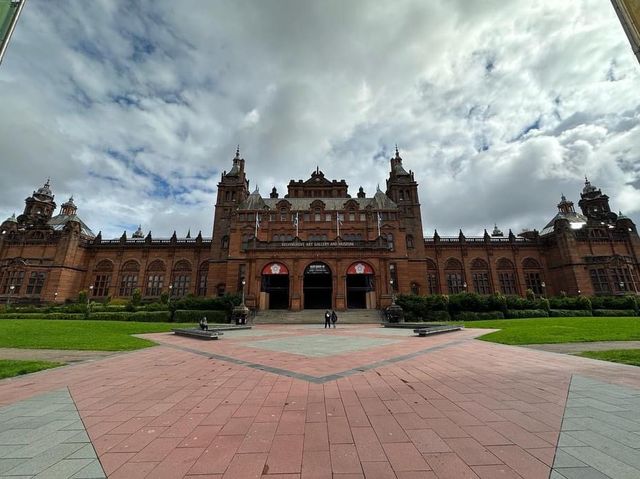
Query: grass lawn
[[559, 330], [10, 368], [72, 334], [625, 356]]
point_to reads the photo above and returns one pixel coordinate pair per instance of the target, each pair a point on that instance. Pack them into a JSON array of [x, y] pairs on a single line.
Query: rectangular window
[[393, 273], [534, 282], [101, 285], [455, 284], [317, 217], [599, 281], [507, 282], [202, 282], [181, 285], [128, 284], [432, 283], [327, 216], [15, 279], [352, 216], [621, 280], [363, 217], [155, 283], [36, 282], [481, 283], [306, 217]]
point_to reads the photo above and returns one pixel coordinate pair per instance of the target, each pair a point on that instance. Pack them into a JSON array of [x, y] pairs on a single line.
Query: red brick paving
[[471, 409]]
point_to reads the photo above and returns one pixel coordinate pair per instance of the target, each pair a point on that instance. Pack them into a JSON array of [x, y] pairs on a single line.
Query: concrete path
[[59, 355], [573, 348], [354, 402]]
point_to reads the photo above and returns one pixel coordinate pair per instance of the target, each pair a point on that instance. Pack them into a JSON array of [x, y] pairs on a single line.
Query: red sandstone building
[[316, 247]]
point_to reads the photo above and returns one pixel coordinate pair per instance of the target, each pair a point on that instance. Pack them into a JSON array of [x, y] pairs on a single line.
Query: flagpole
[[5, 43], [337, 225]]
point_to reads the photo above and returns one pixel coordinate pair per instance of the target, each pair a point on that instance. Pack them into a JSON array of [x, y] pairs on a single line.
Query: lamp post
[[393, 292], [170, 292], [544, 285], [89, 298], [55, 298], [621, 284], [464, 286], [243, 283], [11, 288]]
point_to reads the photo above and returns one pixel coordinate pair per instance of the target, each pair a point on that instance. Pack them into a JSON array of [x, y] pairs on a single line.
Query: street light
[[11, 288], [464, 285], [89, 297], [544, 285], [621, 284], [393, 292], [243, 283], [170, 291], [55, 297]]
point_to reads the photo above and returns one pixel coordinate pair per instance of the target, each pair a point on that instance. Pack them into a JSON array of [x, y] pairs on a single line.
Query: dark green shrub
[[517, 302], [497, 302], [467, 302], [614, 312], [144, 316], [570, 302], [614, 302], [193, 316], [559, 313], [222, 303], [526, 313], [21, 315], [478, 316], [437, 316]]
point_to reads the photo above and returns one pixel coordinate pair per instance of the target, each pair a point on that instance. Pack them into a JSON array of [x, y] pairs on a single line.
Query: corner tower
[[403, 190]]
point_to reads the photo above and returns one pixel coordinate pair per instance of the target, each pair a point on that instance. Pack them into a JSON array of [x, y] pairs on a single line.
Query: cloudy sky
[[498, 107]]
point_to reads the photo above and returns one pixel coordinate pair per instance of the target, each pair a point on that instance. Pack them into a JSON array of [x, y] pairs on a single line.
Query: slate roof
[[58, 223]]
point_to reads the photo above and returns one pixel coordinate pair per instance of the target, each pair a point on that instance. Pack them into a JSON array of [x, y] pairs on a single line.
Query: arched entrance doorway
[[360, 286], [275, 286], [318, 286]]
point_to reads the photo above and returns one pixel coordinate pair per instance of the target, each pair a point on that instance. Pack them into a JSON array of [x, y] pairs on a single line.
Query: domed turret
[[138, 233], [69, 208], [44, 192]]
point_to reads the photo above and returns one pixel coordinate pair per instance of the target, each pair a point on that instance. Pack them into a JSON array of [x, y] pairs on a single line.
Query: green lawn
[[625, 356], [559, 330], [10, 368], [72, 334]]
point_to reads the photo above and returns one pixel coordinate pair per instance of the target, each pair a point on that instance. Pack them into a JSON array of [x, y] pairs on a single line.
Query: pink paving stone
[[448, 465], [378, 470], [344, 459], [216, 457], [258, 438], [201, 436], [368, 446], [157, 449], [176, 464], [138, 441], [427, 441], [316, 465], [285, 455], [111, 461], [521, 461], [388, 429], [416, 475], [246, 466], [236, 425], [405, 457], [291, 422], [134, 470], [316, 437], [496, 472], [472, 452], [339, 430]]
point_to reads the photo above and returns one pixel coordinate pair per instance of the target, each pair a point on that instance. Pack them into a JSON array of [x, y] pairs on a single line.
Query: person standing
[[327, 319], [334, 318]]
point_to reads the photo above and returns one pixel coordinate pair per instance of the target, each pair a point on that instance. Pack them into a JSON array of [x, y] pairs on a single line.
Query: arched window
[[432, 277], [533, 275], [220, 289], [507, 276], [390, 241], [102, 278], [129, 277], [203, 272], [181, 280], [454, 276], [13, 277], [225, 242], [36, 282], [480, 276], [155, 278]]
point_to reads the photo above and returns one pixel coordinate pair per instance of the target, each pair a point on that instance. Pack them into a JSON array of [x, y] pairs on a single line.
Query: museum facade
[[316, 247]]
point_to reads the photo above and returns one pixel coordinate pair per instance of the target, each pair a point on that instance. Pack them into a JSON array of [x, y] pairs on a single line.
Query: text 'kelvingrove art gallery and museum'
[[316, 247]]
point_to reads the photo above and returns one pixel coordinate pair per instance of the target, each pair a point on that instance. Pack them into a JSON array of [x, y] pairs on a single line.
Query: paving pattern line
[[318, 379]]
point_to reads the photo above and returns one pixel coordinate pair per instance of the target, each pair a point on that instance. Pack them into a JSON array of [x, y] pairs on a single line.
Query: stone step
[[316, 316]]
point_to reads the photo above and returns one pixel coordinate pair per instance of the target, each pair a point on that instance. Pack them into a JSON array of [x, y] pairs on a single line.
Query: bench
[[198, 333], [422, 332]]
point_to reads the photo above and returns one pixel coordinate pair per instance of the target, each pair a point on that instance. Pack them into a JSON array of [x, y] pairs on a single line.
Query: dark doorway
[[277, 286], [358, 285], [318, 287]]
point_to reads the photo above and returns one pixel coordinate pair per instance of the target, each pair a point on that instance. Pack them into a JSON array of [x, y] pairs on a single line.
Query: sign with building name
[[318, 244]]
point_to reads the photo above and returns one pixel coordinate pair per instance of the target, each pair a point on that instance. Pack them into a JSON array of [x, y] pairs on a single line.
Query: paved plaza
[[301, 402]]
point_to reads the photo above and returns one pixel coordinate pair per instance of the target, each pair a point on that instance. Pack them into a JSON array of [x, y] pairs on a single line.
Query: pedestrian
[[203, 324], [334, 318], [327, 319]]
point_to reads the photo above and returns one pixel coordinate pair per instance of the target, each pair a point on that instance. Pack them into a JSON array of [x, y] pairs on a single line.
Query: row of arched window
[[478, 278], [178, 282]]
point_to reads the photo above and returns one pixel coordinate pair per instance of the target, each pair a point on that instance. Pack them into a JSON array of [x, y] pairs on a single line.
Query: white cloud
[[498, 107]]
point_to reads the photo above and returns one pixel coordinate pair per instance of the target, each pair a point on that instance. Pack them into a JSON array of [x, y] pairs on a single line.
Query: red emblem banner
[[275, 268], [360, 268]]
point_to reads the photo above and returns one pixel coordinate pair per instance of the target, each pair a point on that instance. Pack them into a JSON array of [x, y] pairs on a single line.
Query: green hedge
[[473, 316], [614, 312], [191, 316], [21, 315], [570, 303], [518, 302], [614, 302], [526, 313], [564, 313], [143, 316]]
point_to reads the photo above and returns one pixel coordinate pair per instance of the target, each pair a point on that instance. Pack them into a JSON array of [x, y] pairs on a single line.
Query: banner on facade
[[275, 268], [359, 268], [9, 13]]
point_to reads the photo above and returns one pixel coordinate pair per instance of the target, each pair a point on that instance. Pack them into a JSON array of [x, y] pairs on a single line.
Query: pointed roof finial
[[238, 152], [48, 181], [317, 170]]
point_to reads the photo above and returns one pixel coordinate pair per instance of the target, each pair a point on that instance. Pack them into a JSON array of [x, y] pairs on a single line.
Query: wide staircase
[[316, 316]]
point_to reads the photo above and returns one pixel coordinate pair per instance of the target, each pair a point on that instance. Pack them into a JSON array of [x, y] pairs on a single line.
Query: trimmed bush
[[614, 312], [143, 316], [222, 303], [474, 316], [20, 315], [614, 302], [437, 316], [517, 302], [570, 302], [564, 313], [526, 313], [193, 316]]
